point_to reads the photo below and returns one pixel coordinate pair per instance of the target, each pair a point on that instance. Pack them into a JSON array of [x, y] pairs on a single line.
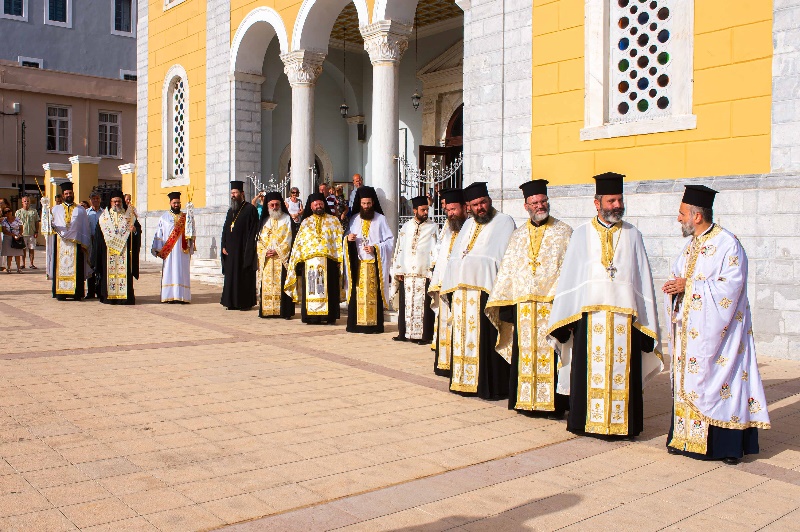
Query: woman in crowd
[[13, 243]]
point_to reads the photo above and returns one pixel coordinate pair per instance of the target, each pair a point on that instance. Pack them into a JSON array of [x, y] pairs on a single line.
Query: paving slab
[[190, 417]]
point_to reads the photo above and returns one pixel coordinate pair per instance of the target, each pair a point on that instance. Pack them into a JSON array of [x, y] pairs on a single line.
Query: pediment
[[450, 59]]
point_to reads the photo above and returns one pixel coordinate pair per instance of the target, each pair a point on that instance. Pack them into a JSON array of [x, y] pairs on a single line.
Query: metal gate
[[438, 168]]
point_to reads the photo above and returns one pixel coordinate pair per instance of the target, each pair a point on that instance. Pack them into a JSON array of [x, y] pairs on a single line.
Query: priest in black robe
[[238, 244], [605, 314], [115, 252]]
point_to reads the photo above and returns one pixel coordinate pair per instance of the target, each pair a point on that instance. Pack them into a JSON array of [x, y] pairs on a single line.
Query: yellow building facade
[[667, 92]]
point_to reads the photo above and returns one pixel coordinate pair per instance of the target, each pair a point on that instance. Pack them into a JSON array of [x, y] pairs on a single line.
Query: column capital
[[57, 167], [357, 119], [267, 105], [386, 40], [127, 168], [302, 67]]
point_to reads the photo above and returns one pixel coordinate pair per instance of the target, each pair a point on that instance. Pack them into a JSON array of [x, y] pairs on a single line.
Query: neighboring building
[[68, 71], [665, 91]]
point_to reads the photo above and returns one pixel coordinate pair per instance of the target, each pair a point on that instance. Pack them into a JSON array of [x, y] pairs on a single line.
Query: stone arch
[[450, 104], [319, 153], [312, 28], [252, 38], [398, 10]]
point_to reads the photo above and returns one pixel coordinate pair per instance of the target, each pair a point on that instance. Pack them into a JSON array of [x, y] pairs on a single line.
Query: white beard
[[275, 215]]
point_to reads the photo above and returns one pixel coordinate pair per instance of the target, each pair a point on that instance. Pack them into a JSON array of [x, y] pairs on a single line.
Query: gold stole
[[608, 375], [366, 290], [536, 369], [66, 270], [316, 286], [466, 340], [117, 275], [444, 326], [271, 287], [271, 269]]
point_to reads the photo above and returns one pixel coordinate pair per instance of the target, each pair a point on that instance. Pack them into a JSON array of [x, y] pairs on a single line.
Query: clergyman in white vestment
[[456, 211], [718, 397], [476, 367], [173, 246], [605, 307], [411, 273]]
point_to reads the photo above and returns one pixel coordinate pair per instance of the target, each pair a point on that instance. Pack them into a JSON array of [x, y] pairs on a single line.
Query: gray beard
[[456, 224], [687, 229], [118, 210], [488, 217], [236, 204], [540, 216], [612, 216], [275, 215]]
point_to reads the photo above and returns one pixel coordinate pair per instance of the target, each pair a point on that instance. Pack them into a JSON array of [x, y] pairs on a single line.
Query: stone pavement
[[190, 417]]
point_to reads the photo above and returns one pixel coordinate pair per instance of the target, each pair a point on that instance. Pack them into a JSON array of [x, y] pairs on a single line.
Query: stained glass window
[[179, 117], [640, 46]]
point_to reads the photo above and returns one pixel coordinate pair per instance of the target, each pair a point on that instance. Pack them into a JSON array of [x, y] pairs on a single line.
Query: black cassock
[[239, 266], [352, 306], [576, 419], [332, 282], [99, 262], [79, 272]]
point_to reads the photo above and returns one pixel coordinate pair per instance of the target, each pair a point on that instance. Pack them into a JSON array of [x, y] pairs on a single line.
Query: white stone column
[[385, 42], [303, 67]]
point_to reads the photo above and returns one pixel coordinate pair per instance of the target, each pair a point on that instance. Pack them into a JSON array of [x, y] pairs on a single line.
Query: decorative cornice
[[357, 119], [57, 167], [127, 168], [386, 41], [58, 180], [69, 176], [303, 67], [84, 159], [268, 106]]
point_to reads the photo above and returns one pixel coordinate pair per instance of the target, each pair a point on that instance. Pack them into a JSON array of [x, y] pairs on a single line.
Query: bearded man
[[523, 294], [411, 272], [71, 246], [316, 259], [605, 303], [718, 398], [175, 249], [456, 211], [238, 243], [273, 248], [367, 262], [476, 368], [115, 252]]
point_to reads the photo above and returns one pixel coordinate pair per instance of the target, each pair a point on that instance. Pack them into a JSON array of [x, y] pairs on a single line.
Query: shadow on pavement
[[509, 520]]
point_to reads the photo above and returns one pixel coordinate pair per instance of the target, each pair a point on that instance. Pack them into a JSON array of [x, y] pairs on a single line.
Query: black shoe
[[731, 461], [399, 338]]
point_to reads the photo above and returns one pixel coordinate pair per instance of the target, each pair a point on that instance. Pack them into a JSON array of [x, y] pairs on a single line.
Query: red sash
[[177, 232]]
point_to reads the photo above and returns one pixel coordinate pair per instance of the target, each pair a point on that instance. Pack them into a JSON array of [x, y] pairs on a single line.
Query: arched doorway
[[454, 133]]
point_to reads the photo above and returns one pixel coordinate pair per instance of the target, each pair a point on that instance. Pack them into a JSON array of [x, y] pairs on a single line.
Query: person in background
[[13, 241], [29, 218], [258, 202], [93, 213], [85, 204], [59, 199], [295, 207], [358, 182]]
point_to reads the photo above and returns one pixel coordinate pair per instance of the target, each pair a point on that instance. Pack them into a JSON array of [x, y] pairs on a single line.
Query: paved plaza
[[191, 417]]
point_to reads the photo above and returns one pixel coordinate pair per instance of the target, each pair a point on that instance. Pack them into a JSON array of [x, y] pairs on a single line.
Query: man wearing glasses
[[523, 296]]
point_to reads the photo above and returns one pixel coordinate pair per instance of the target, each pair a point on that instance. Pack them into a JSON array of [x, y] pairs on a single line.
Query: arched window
[[175, 128], [638, 67]]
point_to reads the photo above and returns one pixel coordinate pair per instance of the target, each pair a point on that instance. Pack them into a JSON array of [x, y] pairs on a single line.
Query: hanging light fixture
[[416, 97], [344, 108]]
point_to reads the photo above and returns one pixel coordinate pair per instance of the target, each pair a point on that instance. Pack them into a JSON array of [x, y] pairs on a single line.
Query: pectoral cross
[[612, 271]]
